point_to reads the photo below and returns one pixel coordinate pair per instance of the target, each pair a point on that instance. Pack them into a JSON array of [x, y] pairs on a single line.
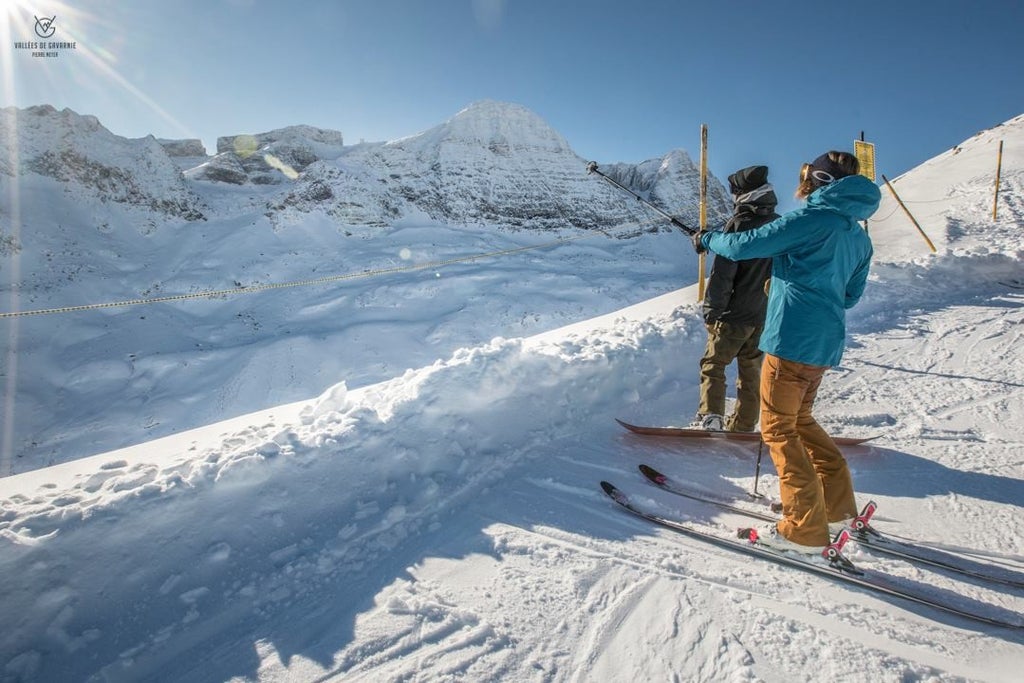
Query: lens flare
[[245, 145], [281, 166]]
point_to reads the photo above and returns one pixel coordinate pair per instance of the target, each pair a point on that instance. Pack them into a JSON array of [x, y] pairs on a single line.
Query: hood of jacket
[[854, 196]]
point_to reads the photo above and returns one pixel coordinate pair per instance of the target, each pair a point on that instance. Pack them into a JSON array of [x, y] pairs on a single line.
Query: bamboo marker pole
[[907, 211], [999, 170], [702, 259]]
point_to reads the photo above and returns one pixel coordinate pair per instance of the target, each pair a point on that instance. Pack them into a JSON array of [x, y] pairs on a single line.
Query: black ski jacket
[[736, 289]]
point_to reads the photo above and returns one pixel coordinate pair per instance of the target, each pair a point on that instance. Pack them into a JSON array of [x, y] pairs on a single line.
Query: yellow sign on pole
[[865, 153]]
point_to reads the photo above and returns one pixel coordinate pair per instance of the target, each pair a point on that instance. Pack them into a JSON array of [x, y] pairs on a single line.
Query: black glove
[[696, 237]]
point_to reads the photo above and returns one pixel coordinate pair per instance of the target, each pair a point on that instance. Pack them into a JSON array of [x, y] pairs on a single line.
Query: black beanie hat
[[824, 163], [747, 179]]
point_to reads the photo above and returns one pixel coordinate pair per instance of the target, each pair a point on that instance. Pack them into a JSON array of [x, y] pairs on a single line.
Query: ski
[[864, 578], [729, 436], [866, 536]]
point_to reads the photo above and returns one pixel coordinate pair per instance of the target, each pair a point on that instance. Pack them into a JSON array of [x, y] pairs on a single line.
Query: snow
[[375, 219], [444, 522]]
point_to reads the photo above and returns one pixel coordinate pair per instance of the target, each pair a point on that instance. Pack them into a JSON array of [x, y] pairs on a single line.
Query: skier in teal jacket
[[820, 260]]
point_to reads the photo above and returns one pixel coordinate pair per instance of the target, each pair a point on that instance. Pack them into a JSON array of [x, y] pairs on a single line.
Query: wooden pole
[[999, 170], [702, 260], [907, 211]]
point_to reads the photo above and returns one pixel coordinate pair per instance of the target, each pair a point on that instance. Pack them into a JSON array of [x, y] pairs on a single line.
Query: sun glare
[[13, 6], [93, 61], [27, 34]]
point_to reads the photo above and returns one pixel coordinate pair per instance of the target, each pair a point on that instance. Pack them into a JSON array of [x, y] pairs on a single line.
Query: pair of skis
[[834, 565], [864, 534]]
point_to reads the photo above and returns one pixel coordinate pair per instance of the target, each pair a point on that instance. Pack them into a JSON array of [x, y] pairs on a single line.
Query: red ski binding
[[862, 522], [833, 552]]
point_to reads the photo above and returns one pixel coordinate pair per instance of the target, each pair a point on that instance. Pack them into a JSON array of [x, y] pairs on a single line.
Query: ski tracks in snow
[[638, 585]]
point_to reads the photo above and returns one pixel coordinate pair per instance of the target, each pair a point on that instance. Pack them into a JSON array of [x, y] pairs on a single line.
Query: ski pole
[[757, 470], [686, 229]]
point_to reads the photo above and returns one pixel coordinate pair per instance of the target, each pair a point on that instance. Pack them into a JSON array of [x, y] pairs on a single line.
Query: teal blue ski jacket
[[820, 261]]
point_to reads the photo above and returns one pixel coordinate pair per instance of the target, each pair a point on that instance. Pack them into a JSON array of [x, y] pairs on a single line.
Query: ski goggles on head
[[823, 177]]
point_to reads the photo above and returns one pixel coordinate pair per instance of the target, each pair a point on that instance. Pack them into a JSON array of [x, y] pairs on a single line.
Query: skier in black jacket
[[734, 310]]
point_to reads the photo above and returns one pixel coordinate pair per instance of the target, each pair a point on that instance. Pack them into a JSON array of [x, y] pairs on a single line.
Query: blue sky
[[777, 82]]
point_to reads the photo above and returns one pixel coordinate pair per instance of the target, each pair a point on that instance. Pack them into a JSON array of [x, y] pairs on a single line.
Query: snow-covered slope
[[943, 192], [446, 524], [91, 218]]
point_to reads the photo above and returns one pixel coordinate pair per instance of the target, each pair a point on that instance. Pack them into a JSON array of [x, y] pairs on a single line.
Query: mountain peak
[[502, 128]]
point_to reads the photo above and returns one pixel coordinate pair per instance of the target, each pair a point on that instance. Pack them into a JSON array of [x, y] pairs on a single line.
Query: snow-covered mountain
[[502, 165], [445, 523], [89, 217], [493, 164], [79, 153]]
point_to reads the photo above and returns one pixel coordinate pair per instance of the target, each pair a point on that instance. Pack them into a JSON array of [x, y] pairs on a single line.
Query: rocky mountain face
[[493, 164], [671, 183], [269, 158], [190, 148], [79, 153]]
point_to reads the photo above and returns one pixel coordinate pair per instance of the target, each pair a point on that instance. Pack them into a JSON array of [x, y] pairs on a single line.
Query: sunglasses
[[808, 171]]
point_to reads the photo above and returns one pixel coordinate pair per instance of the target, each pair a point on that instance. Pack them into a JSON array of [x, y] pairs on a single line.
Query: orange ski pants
[[814, 481]]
